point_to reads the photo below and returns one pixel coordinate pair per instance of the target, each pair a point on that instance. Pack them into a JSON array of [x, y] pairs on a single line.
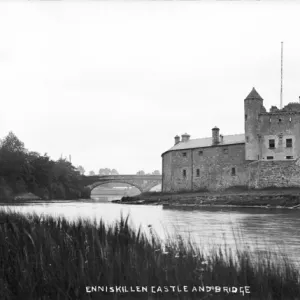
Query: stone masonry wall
[[279, 126], [166, 172], [214, 164], [274, 173], [215, 170]]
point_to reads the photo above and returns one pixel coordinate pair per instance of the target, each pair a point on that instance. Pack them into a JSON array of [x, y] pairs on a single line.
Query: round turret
[[253, 106]]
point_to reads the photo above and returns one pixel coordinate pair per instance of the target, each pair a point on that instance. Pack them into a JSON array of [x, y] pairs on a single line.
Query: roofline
[[212, 146]]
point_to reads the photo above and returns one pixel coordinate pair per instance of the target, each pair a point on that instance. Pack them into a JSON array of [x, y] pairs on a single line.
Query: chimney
[[221, 139], [215, 136], [177, 139], [185, 137]]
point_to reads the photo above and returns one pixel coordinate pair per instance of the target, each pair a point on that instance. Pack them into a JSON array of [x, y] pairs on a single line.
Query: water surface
[[258, 229]]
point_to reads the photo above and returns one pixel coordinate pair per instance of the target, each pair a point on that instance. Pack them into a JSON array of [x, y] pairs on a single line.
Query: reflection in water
[[106, 198], [260, 229]]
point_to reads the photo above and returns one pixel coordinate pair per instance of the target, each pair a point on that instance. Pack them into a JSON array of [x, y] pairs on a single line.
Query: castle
[[265, 155]]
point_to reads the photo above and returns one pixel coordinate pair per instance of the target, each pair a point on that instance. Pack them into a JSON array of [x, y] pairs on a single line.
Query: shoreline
[[227, 206], [268, 199], [199, 206]]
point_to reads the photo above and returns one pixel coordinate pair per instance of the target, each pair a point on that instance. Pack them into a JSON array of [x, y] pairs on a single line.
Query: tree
[[141, 172], [13, 163], [11, 143], [66, 178], [81, 170], [114, 172], [156, 172], [91, 173], [42, 171], [28, 171], [108, 171]]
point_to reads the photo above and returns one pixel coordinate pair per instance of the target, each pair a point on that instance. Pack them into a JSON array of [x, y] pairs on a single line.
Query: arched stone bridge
[[142, 182]]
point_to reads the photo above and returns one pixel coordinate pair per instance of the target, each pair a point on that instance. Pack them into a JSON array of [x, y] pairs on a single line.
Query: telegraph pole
[[281, 75]]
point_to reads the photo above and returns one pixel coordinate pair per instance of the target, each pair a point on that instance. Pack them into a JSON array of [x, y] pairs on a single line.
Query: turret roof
[[254, 95]]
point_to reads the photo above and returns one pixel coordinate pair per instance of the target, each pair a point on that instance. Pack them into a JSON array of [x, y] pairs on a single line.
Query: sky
[[111, 83]]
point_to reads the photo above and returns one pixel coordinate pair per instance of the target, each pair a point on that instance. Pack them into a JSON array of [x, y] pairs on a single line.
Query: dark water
[[257, 229]]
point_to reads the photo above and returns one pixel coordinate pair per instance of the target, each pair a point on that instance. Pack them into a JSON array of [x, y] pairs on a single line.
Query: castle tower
[[253, 105]]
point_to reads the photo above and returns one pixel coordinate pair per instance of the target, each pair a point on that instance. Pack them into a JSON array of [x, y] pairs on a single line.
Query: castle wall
[[173, 165], [274, 173], [180, 163], [215, 166], [279, 126], [166, 171]]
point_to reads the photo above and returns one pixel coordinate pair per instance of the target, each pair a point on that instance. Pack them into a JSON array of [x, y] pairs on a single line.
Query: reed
[[51, 258]]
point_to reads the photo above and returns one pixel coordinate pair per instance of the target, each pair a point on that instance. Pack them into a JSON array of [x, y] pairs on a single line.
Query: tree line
[[107, 171], [23, 171]]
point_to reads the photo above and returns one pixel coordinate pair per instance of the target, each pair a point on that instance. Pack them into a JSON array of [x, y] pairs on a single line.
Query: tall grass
[[50, 258]]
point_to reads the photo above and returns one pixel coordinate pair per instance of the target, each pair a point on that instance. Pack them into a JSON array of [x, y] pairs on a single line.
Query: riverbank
[[30, 197], [265, 198], [47, 258]]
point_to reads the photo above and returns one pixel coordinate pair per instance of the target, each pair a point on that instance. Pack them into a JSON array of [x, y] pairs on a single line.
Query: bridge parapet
[[131, 177]]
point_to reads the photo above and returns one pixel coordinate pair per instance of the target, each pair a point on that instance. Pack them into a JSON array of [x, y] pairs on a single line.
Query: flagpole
[[281, 74]]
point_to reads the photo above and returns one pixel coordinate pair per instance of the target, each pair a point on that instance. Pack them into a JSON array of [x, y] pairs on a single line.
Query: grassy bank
[[47, 258], [236, 196]]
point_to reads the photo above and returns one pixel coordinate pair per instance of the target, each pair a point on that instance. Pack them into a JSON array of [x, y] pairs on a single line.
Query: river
[[258, 229]]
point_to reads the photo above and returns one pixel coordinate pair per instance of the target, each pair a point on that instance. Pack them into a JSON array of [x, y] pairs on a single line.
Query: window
[[271, 144], [200, 152], [247, 139], [232, 171], [246, 116], [270, 157], [184, 154], [184, 173], [197, 172], [289, 143], [289, 157], [225, 150], [279, 120]]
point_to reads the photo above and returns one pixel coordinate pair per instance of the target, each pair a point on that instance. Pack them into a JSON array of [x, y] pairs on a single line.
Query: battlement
[[279, 113], [292, 106], [290, 109]]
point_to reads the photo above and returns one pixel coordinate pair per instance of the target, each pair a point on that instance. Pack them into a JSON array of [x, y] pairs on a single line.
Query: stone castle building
[[265, 155]]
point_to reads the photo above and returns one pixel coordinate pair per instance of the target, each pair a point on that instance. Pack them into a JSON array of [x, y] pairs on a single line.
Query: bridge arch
[[150, 186], [142, 182], [96, 184]]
